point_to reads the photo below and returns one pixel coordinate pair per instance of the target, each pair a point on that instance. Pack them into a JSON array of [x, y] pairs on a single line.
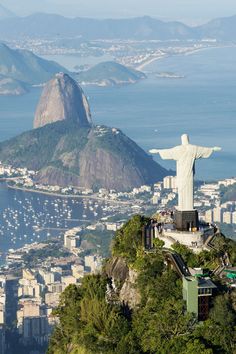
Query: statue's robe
[[185, 155]]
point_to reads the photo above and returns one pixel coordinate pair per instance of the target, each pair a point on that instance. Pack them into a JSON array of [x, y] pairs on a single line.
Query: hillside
[[24, 66], [93, 157], [9, 86], [222, 29], [5, 13], [136, 306], [110, 74]]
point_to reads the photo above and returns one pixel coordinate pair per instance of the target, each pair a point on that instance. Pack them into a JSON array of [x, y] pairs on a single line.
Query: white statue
[[185, 155]]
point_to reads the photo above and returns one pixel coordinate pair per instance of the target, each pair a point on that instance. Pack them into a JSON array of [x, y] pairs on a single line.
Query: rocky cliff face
[[123, 282], [62, 99], [108, 159]]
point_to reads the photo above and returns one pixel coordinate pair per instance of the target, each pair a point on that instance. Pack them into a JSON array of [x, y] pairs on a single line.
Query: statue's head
[[185, 139]]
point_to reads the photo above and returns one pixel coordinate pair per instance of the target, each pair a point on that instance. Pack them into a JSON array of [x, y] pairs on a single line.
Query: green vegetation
[[128, 241], [204, 259], [54, 249], [208, 259], [88, 324], [110, 73], [222, 244], [65, 154], [92, 323], [45, 146], [99, 241], [228, 193]]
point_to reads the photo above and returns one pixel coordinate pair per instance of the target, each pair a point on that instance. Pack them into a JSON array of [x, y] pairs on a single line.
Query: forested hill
[[109, 74], [97, 157], [141, 310]]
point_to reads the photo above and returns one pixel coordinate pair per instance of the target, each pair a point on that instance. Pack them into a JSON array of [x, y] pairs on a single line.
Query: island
[[12, 87], [110, 74]]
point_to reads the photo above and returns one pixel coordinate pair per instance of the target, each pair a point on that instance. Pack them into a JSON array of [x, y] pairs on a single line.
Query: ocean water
[[154, 113], [157, 111], [27, 217]]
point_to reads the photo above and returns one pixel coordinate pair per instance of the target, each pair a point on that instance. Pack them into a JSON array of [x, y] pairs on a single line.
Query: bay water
[[154, 113]]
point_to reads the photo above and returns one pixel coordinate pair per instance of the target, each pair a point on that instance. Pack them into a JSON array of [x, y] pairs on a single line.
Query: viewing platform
[[196, 239]]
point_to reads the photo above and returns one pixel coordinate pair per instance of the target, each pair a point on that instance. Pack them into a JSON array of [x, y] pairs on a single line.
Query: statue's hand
[[154, 151], [217, 148]]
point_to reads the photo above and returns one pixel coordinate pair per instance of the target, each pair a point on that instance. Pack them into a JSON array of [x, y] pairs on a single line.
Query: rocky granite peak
[[62, 99]]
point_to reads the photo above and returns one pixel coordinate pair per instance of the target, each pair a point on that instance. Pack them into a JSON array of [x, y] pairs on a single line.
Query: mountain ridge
[[94, 157], [50, 25], [41, 25], [23, 65], [5, 13]]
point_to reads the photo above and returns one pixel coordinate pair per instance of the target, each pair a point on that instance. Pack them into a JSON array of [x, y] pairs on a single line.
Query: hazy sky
[[185, 10]]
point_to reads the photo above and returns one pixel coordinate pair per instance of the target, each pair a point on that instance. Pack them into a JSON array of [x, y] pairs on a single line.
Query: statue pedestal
[[186, 220]]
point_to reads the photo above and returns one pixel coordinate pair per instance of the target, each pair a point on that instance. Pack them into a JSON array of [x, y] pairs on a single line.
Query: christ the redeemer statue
[[185, 155]]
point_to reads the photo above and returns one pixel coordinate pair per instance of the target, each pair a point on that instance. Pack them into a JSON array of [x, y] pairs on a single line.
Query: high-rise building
[[209, 216], [217, 214], [227, 217], [170, 182], [234, 217], [35, 329]]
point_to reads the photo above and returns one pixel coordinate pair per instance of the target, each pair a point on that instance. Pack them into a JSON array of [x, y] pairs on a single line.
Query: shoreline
[[92, 197], [190, 52]]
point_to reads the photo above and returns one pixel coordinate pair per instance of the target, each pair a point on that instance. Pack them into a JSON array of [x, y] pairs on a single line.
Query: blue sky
[[191, 11]]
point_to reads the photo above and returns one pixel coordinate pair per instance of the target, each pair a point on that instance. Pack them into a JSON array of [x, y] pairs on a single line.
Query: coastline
[[190, 52], [92, 197]]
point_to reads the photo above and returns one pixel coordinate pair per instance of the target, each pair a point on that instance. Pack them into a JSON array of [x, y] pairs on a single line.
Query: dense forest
[[92, 321]]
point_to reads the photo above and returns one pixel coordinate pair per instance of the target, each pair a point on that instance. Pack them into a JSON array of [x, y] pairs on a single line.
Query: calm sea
[[154, 113]]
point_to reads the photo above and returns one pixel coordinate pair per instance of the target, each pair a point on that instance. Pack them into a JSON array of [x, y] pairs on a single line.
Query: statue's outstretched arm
[[217, 148], [166, 154], [154, 151], [205, 152]]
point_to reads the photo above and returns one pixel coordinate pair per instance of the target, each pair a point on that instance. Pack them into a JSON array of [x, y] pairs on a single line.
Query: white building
[[234, 217], [227, 182], [217, 214], [227, 217], [209, 216], [211, 190], [170, 182], [46, 276]]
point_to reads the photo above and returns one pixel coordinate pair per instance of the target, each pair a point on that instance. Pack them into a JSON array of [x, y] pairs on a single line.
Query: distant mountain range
[[21, 68], [23, 65], [5, 13], [110, 73], [42, 25]]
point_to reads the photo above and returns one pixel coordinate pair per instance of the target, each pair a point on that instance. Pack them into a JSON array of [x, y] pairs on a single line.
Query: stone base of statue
[[186, 220]]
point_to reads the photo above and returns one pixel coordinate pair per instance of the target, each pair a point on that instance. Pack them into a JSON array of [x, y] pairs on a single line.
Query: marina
[[29, 217]]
